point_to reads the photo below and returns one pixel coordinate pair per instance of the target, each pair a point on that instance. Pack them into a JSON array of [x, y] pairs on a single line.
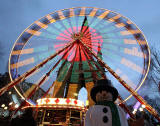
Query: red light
[[75, 102], [47, 101], [67, 101], [57, 100]]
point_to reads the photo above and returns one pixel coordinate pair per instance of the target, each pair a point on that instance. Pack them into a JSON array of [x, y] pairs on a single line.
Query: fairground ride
[[69, 49]]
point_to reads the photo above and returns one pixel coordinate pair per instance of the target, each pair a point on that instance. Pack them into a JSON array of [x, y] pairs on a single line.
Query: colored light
[[136, 106], [75, 94], [143, 106], [47, 100], [57, 100], [87, 102], [75, 102], [3, 105], [6, 108], [67, 101], [10, 103], [60, 102], [141, 109], [16, 106]]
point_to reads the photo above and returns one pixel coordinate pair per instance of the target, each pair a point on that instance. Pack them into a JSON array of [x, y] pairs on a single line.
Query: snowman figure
[[105, 112]]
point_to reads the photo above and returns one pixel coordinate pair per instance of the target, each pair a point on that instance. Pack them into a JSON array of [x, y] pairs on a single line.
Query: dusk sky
[[17, 15]]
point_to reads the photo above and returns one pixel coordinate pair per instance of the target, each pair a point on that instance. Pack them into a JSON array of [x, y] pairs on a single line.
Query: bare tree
[[154, 73]]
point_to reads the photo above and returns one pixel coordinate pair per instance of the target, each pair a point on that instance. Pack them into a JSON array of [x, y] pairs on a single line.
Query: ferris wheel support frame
[[134, 93]]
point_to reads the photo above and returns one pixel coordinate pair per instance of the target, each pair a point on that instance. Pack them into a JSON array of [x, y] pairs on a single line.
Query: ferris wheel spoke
[[85, 29], [120, 51], [61, 67], [73, 25], [120, 32], [66, 31], [92, 68], [134, 51], [123, 74], [124, 77], [65, 81], [53, 30], [31, 60], [110, 27], [44, 78], [119, 42], [49, 89], [100, 25], [81, 75], [43, 48], [126, 62], [67, 26], [61, 25], [22, 77]]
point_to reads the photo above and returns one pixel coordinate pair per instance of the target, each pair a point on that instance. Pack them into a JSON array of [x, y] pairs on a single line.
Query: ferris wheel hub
[[76, 36]]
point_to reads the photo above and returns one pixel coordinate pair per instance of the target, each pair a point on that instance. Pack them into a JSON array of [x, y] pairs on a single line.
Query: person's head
[[104, 91]]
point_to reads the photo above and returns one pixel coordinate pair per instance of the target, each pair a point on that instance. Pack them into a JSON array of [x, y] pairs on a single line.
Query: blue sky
[[16, 15]]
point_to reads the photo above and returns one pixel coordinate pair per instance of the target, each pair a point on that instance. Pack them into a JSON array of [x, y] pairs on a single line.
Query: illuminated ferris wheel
[[65, 50], [69, 49]]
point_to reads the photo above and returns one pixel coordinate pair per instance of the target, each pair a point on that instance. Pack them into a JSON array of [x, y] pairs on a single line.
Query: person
[[105, 112]]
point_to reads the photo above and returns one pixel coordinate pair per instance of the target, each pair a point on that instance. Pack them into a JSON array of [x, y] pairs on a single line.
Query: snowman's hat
[[103, 84]]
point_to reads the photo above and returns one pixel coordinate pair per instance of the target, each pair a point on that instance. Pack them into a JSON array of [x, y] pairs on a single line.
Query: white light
[[6, 108], [75, 94], [60, 101], [143, 106], [87, 103], [16, 106], [134, 112], [10, 92], [23, 98], [141, 109], [3, 105], [10, 103]]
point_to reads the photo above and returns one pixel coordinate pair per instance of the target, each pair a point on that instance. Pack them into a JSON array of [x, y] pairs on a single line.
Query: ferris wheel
[[109, 35], [69, 49]]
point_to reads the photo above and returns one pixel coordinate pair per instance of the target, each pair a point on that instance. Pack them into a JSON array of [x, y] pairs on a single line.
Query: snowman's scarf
[[114, 110]]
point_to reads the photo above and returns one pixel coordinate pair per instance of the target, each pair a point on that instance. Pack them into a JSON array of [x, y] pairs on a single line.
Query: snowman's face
[[104, 96]]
